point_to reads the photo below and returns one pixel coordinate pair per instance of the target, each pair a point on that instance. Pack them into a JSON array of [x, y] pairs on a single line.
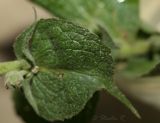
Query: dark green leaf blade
[[26, 112], [59, 97], [72, 61]]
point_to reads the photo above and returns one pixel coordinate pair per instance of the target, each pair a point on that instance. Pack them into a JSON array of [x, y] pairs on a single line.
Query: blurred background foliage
[[134, 26]]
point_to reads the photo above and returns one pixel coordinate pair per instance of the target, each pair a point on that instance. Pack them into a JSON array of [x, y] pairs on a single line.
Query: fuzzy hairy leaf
[[72, 65], [26, 112]]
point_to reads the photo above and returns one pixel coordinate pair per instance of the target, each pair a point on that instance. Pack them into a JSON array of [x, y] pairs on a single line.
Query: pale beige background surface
[[16, 14], [150, 13], [7, 114]]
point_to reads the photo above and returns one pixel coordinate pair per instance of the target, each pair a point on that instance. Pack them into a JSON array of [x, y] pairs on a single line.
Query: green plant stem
[[13, 65]]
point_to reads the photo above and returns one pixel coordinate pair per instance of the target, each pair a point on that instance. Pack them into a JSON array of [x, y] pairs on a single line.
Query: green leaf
[[121, 20], [69, 64], [147, 67], [26, 112], [138, 67], [57, 98]]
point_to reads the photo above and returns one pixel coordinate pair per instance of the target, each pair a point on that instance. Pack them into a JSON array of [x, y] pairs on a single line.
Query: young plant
[[136, 43], [59, 67]]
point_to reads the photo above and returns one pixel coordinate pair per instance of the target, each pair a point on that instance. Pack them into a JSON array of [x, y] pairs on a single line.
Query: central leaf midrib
[[62, 71]]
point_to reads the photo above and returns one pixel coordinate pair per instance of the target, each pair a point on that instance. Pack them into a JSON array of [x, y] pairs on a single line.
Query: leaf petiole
[[14, 65]]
